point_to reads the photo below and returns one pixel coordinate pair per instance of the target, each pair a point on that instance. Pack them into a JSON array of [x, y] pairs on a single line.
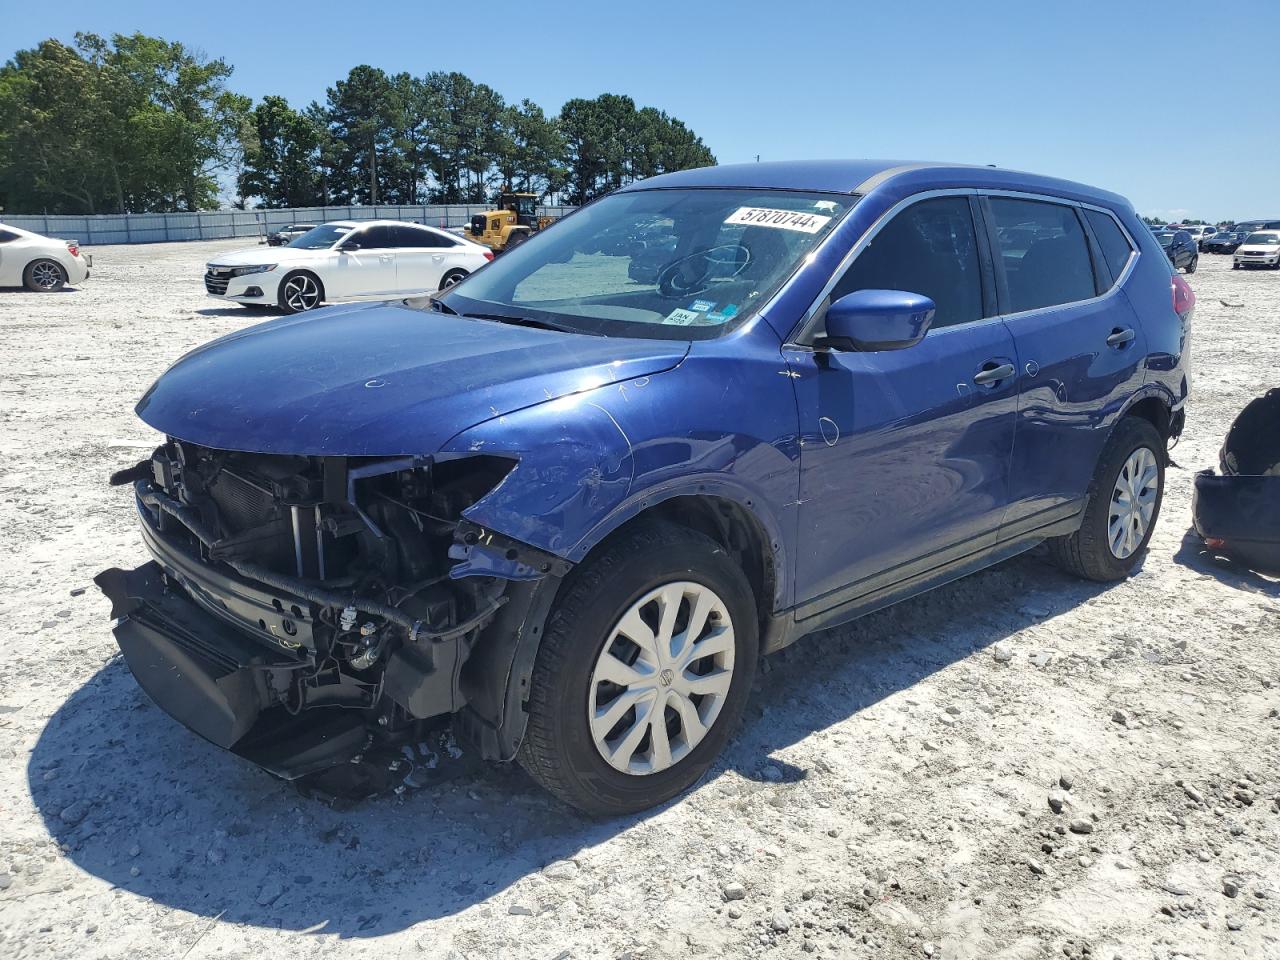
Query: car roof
[[862, 176]]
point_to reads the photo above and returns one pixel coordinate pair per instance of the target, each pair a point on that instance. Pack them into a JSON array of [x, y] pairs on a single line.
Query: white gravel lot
[[888, 795]]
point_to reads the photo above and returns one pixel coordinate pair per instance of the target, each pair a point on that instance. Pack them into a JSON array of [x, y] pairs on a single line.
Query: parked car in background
[[1198, 233], [1180, 249], [1259, 249], [291, 231], [571, 509], [1224, 241], [41, 264], [345, 260]]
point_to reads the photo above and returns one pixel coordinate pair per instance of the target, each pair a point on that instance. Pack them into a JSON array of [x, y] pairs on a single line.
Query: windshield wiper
[[442, 307], [530, 322]]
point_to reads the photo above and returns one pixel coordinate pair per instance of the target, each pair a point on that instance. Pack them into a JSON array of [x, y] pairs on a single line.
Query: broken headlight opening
[[297, 607]]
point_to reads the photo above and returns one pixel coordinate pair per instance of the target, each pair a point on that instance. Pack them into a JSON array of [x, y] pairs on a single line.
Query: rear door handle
[[992, 372], [1120, 336]]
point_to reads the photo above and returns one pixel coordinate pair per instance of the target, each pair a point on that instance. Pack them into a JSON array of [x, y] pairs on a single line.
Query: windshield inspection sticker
[[682, 318], [778, 219], [702, 306]]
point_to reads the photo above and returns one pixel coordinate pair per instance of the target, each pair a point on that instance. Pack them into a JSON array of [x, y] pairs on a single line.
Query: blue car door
[[1078, 340], [905, 454]]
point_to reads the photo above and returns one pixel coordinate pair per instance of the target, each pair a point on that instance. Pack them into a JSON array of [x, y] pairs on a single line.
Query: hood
[[252, 256], [379, 379], [1258, 248]]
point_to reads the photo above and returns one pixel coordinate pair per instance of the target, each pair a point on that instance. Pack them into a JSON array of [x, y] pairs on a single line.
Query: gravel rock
[[1057, 800], [1230, 888], [270, 892], [1066, 781], [520, 910], [733, 891], [781, 923], [1081, 825], [1235, 923], [1001, 654], [560, 870], [73, 813], [1036, 867], [1193, 793], [1120, 717]]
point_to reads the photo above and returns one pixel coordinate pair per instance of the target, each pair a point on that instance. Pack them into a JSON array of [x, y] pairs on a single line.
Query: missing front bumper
[[216, 682]]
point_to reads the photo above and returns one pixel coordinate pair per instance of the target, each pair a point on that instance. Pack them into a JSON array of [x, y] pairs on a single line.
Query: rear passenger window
[[931, 249], [413, 237], [1044, 252], [1115, 245]]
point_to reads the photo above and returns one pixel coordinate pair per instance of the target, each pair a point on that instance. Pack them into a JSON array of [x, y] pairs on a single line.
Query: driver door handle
[[1119, 337], [992, 372]]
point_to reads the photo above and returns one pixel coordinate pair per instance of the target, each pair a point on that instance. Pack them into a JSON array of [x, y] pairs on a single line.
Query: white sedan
[[40, 263], [346, 260]]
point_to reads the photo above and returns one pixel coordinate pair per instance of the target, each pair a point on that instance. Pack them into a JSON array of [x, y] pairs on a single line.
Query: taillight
[[1184, 298], [488, 254], [73, 249]]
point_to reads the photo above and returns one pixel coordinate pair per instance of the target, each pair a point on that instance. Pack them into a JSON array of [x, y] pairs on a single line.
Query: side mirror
[[349, 246], [877, 320]]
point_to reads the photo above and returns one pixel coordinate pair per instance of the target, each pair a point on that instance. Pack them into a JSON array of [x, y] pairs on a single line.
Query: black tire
[[1191, 267], [452, 277], [516, 239], [1087, 552], [558, 749], [44, 276], [293, 305]]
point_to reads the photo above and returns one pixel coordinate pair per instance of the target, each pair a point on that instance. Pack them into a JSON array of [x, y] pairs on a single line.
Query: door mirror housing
[[877, 320], [349, 246]]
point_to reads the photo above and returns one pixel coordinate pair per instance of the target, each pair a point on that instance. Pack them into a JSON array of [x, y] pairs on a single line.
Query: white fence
[[225, 224]]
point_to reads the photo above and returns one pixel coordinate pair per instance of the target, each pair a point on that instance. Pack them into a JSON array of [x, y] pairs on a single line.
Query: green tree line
[[141, 124]]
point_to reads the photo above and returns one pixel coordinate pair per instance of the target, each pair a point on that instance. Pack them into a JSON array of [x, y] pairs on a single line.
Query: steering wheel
[[692, 274]]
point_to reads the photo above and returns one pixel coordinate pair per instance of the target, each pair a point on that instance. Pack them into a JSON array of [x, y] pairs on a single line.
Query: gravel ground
[[891, 794]]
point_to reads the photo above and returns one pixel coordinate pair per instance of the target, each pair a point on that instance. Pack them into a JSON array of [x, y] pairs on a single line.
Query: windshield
[[1268, 239], [318, 238], [674, 264]]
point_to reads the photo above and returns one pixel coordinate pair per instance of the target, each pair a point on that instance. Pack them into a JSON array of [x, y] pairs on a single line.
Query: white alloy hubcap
[[301, 293], [1133, 503], [662, 678]]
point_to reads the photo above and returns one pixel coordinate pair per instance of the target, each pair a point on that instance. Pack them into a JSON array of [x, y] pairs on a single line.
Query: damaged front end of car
[[299, 608]]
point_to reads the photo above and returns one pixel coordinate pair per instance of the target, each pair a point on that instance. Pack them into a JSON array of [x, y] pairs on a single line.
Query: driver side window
[[929, 248]]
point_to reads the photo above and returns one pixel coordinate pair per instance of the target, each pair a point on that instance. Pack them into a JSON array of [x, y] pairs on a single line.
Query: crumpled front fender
[[574, 465]]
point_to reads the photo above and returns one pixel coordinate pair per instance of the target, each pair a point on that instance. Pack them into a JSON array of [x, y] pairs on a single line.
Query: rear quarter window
[[1115, 245], [1044, 252]]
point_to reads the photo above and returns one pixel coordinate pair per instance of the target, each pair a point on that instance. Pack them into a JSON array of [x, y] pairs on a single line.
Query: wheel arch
[[1155, 406]]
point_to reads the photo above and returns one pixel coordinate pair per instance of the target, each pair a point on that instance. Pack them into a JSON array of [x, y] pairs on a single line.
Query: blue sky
[[1147, 99]]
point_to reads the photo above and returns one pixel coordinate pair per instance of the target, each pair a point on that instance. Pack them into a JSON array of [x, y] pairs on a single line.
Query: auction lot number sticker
[[796, 220]]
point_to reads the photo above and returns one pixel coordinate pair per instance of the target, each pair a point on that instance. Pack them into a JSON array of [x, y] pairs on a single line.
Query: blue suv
[[569, 501]]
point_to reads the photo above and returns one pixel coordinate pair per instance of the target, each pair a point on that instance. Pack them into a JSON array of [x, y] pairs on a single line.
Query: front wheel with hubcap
[[44, 276], [1191, 267], [643, 671], [1123, 506], [299, 292]]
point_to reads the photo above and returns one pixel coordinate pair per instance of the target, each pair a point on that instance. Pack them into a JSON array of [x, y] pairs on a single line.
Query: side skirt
[[786, 628]]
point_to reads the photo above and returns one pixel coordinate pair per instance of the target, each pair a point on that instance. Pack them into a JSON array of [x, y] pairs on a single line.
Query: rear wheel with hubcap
[[643, 671], [44, 276], [452, 278], [1191, 267], [300, 291], [1124, 504]]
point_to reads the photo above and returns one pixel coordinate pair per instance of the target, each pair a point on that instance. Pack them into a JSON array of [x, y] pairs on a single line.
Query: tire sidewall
[[588, 626]]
